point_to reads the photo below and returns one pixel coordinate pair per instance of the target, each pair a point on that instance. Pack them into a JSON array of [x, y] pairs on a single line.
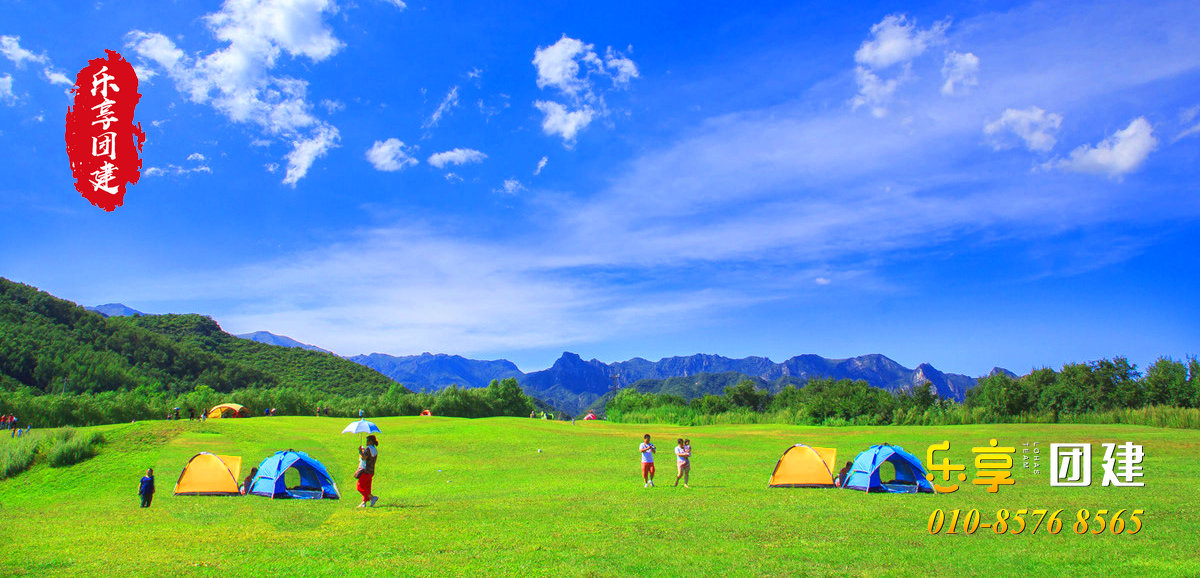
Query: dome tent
[[803, 466], [910, 475], [208, 474], [315, 481]]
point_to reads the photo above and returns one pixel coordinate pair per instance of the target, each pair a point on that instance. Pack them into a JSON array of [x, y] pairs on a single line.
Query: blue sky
[[968, 184]]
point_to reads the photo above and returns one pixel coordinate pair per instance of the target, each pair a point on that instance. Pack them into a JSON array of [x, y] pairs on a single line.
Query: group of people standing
[[683, 461], [9, 421]]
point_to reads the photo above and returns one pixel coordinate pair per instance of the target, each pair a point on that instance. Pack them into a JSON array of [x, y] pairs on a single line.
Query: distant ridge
[[115, 310], [280, 340]]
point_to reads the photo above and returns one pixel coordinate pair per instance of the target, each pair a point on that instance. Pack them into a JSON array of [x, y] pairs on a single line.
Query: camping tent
[[590, 415], [315, 481], [909, 474], [209, 475], [427, 412], [228, 410], [803, 466]]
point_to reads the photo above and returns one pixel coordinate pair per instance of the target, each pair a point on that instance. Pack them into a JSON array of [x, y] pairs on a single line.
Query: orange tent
[[426, 412], [228, 410], [803, 466], [208, 474]]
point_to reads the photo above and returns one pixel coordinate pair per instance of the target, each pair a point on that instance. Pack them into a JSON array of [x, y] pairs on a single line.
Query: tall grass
[[18, 456], [66, 448]]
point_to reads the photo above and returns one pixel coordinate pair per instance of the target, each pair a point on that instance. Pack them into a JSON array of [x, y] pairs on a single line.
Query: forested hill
[[51, 345]]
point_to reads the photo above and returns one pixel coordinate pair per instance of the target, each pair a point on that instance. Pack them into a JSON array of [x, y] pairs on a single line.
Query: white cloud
[[175, 170], [458, 156], [454, 178], [961, 71], [307, 150], [1186, 117], [1119, 154], [511, 186], [397, 3], [1033, 125], [897, 40], [565, 123], [56, 77], [541, 165], [569, 67], [271, 167], [448, 103], [6, 90], [894, 40], [332, 106], [10, 47], [237, 78], [391, 155], [623, 69], [822, 281]]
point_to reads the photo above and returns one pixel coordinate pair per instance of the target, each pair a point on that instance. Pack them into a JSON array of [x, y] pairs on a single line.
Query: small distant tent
[[208, 474], [590, 415], [803, 466], [228, 410], [315, 482], [427, 412], [909, 474]]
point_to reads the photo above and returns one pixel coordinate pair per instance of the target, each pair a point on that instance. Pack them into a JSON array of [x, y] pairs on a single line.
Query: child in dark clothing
[[248, 483], [146, 489]]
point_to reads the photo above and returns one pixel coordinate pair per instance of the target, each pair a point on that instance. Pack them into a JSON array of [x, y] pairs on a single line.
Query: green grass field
[[475, 497]]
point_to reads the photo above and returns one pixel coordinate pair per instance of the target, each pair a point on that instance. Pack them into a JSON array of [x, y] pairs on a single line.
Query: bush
[[69, 449], [18, 456]]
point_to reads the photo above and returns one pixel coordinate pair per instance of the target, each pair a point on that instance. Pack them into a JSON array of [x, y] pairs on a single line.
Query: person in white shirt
[[683, 461], [647, 450]]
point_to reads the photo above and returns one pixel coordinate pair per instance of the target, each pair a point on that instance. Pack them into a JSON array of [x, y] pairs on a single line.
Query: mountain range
[[573, 384]]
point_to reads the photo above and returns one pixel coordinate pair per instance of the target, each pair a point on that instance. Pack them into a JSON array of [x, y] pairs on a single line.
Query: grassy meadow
[[476, 497]]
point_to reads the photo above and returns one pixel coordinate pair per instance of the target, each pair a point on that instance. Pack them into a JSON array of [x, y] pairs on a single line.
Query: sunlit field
[[476, 497]]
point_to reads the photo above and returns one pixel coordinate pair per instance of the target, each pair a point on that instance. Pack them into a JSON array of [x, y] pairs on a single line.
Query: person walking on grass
[[683, 461], [146, 489], [366, 471], [248, 483], [647, 450]]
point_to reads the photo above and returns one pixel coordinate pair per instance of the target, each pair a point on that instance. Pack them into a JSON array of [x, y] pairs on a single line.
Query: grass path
[[475, 497]]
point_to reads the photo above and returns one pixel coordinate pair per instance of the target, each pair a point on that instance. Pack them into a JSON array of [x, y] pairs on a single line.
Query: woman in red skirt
[[366, 466]]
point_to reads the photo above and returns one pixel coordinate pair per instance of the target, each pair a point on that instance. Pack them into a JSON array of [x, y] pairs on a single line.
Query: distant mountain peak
[[281, 340], [115, 310]]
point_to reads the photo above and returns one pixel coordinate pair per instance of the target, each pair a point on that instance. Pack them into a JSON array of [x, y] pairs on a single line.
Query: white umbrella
[[361, 426]]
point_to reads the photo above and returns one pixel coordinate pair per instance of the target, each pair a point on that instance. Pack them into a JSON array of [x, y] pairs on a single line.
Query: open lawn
[[463, 496]]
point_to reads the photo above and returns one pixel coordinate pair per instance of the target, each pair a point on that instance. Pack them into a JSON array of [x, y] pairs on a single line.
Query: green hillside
[[289, 366], [50, 345], [476, 497]]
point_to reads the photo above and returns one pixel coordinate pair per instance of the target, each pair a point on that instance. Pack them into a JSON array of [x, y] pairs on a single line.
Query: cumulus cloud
[[569, 67], [566, 123], [961, 71], [1034, 126], [7, 95], [458, 156], [895, 40], [391, 155], [1116, 156], [448, 103], [237, 79], [196, 157], [541, 165]]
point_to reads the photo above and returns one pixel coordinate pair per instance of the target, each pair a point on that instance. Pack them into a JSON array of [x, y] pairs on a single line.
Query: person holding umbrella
[[366, 470]]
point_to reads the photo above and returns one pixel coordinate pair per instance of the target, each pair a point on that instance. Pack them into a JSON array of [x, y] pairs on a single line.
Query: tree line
[[500, 398], [1108, 390]]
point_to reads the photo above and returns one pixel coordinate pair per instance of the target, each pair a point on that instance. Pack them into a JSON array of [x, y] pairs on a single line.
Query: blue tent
[[315, 482], [910, 475]]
